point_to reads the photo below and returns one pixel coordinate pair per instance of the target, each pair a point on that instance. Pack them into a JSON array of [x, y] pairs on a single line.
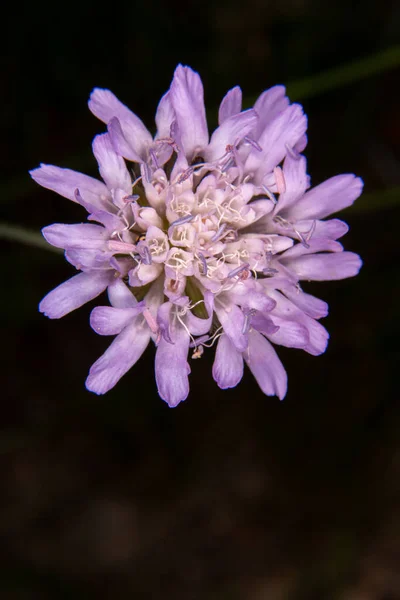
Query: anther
[[219, 233], [122, 247], [203, 263], [253, 143], [238, 270], [185, 175], [280, 180]]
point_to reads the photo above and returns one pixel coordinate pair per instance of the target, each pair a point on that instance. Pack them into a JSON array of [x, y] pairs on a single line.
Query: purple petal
[[106, 320], [73, 293], [187, 97], [269, 105], [266, 366], [232, 320], [164, 116], [290, 334], [324, 267], [197, 325], [229, 133], [297, 182], [231, 104], [121, 143], [332, 229], [328, 197], [263, 324], [83, 235], [120, 295], [172, 368], [283, 132], [65, 182], [123, 353], [228, 364], [313, 307], [112, 167], [105, 106]]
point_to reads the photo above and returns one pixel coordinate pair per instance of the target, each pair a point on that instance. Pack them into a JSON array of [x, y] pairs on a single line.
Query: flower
[[208, 244]]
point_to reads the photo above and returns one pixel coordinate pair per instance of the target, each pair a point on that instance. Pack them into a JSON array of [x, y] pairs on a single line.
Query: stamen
[[269, 194], [248, 313], [280, 180], [147, 172], [203, 262], [131, 198], [238, 270], [144, 253], [154, 158], [150, 320], [198, 353], [311, 231], [185, 175], [182, 221], [292, 152]]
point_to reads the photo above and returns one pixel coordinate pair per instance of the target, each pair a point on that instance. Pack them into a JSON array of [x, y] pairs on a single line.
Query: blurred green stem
[[25, 236]]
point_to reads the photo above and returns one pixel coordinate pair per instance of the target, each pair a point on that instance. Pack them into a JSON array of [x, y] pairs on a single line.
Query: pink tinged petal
[[112, 166], [290, 334], [65, 182], [105, 106], [84, 235], [229, 133], [269, 105], [281, 133], [266, 366], [144, 274], [328, 197], [120, 295], [187, 97], [232, 320], [74, 293], [123, 353], [227, 369], [106, 320], [172, 368], [297, 182], [121, 142], [324, 267], [231, 104]]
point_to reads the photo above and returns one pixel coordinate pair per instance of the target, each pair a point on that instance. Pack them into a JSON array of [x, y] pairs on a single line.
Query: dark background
[[232, 495]]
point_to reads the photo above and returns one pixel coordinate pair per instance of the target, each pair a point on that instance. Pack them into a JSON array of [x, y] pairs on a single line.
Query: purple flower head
[[207, 245]]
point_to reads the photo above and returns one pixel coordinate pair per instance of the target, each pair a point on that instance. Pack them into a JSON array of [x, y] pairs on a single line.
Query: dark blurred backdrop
[[232, 495]]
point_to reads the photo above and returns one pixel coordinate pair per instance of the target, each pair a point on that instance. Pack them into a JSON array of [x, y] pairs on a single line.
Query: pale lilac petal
[[328, 197], [87, 260], [121, 143], [263, 324], [231, 104], [281, 133], [83, 235], [106, 320], [247, 298], [172, 368], [314, 245], [332, 229], [230, 132], [65, 182], [314, 307], [123, 353], [112, 167], [197, 325], [233, 321], [227, 369], [266, 366], [74, 293], [268, 106], [105, 106], [187, 97], [325, 267]]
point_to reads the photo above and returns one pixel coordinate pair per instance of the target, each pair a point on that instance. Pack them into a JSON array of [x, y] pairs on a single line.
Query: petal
[[328, 197], [172, 368], [121, 142], [266, 366], [197, 325], [233, 321], [229, 133], [228, 364], [104, 105], [82, 235], [297, 182], [324, 267], [164, 116], [106, 320], [120, 295], [231, 104], [123, 353], [187, 97], [313, 307], [269, 105], [332, 229], [281, 133], [290, 334], [73, 293], [65, 182], [112, 167]]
